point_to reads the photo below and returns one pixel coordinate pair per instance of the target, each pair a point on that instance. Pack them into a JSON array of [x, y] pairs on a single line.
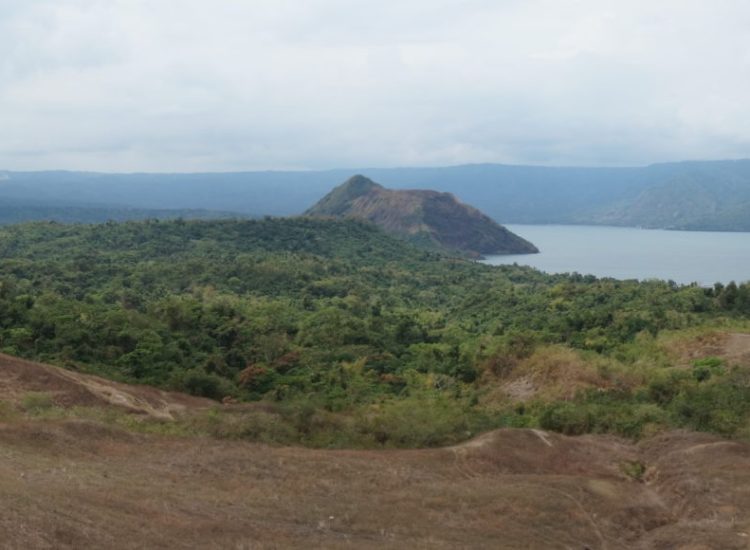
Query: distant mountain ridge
[[422, 216], [710, 195], [19, 210]]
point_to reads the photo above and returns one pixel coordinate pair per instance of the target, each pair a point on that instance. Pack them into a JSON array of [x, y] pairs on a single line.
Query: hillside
[[350, 390], [687, 195], [84, 462], [704, 196], [437, 219], [360, 338], [26, 384]]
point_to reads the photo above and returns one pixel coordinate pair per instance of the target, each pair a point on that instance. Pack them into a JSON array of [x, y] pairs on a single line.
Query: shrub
[[567, 418], [634, 469], [703, 369], [720, 407], [202, 384], [420, 421]]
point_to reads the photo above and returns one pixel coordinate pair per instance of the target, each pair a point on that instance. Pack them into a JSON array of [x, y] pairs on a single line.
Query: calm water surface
[[704, 257]]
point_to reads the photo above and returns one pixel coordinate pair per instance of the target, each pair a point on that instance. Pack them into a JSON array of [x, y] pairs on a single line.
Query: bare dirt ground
[[80, 484], [737, 348], [733, 347], [67, 388]]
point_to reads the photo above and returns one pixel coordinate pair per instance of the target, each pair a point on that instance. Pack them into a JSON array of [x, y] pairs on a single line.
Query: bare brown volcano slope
[[83, 484], [421, 216]]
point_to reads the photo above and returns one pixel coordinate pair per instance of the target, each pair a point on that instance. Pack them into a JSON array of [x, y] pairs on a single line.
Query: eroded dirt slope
[[80, 484], [18, 378], [77, 484]]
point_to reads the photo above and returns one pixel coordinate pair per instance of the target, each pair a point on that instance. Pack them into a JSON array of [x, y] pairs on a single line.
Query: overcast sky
[[189, 85]]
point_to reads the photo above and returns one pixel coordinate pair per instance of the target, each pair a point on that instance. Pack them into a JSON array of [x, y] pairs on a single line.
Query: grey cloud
[[170, 85]]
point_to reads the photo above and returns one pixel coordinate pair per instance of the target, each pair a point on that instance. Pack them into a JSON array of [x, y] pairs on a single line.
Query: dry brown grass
[[80, 485], [83, 484], [550, 373], [19, 378], [686, 347]]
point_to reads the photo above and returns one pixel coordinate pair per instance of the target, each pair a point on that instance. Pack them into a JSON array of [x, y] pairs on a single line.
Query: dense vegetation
[[353, 337]]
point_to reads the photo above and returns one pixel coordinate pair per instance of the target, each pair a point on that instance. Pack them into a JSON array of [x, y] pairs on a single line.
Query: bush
[[421, 421], [664, 388], [567, 418], [720, 407], [202, 384], [626, 417], [703, 369]]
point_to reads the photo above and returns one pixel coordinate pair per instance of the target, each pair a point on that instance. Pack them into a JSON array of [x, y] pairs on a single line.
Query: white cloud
[[227, 85]]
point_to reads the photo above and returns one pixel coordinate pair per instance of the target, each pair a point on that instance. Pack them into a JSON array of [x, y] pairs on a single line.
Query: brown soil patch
[[733, 347], [737, 348], [67, 388], [80, 484]]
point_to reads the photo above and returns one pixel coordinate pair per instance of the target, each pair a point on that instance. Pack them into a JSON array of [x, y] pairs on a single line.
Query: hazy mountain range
[[712, 195]]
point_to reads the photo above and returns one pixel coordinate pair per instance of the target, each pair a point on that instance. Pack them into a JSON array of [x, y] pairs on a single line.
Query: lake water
[[704, 257]]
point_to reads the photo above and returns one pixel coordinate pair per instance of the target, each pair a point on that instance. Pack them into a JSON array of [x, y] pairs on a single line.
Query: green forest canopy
[[338, 317]]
